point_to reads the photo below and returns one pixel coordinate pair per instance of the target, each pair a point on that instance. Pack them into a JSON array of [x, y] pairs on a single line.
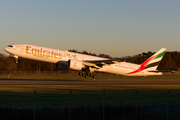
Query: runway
[[72, 82]]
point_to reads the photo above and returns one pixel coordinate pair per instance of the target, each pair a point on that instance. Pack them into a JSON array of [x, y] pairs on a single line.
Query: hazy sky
[[115, 27]]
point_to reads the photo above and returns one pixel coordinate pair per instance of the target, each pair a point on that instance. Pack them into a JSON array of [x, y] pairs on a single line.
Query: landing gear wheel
[[80, 73], [93, 76], [84, 75]]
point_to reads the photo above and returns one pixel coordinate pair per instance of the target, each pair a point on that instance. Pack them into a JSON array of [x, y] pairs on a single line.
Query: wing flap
[[91, 65], [99, 63]]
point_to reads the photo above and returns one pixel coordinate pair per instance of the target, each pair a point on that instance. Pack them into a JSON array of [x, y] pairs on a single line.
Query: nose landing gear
[[16, 58]]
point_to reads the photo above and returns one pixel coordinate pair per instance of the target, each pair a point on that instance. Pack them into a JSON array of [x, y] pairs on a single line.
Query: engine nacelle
[[63, 65], [75, 64]]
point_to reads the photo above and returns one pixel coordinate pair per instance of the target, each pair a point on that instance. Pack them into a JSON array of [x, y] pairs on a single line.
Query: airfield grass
[[57, 96], [117, 96], [92, 99]]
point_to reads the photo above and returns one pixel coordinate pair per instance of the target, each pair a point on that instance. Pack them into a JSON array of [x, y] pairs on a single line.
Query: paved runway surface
[[72, 82]]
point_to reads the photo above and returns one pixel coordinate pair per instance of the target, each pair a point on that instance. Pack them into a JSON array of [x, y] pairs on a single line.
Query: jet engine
[[75, 64], [63, 65]]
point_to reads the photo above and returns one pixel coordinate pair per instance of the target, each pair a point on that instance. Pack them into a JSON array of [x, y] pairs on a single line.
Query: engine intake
[[63, 65]]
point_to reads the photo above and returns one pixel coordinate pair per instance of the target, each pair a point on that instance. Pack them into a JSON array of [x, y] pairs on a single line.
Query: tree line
[[8, 64]]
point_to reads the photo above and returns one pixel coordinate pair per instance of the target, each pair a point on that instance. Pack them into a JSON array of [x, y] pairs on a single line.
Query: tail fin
[[152, 62]]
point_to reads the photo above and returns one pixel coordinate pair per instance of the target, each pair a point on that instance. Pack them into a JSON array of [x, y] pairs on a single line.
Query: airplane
[[87, 64]]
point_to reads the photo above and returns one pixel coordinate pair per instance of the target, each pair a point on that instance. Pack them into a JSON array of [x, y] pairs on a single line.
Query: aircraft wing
[[100, 63]]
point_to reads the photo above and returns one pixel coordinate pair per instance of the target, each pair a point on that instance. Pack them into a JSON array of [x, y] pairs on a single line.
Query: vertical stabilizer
[[152, 62]]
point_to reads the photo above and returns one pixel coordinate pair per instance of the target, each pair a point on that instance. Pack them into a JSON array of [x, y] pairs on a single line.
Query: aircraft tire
[[80, 73], [84, 74], [91, 75]]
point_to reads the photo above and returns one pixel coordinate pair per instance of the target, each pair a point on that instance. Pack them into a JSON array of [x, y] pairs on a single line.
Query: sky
[[115, 27]]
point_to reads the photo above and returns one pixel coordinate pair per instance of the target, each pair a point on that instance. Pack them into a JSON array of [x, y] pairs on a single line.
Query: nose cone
[[8, 48]]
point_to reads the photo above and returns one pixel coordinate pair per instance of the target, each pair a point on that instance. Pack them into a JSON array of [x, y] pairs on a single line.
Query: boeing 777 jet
[[87, 63]]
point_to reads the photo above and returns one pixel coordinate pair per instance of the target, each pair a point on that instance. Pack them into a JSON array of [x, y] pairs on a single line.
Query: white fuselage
[[54, 56]]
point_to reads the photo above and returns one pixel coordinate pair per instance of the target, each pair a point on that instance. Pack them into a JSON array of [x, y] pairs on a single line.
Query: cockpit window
[[10, 46]]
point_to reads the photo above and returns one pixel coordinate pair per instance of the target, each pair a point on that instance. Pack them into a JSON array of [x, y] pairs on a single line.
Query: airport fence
[[55, 104]]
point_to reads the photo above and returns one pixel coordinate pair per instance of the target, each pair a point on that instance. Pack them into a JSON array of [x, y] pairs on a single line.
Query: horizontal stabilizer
[[160, 71]]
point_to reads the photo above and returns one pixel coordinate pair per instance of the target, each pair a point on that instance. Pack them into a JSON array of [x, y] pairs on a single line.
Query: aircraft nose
[[5, 49], [8, 48]]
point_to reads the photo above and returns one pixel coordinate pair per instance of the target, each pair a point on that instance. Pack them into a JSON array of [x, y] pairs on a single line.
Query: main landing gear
[[86, 75]]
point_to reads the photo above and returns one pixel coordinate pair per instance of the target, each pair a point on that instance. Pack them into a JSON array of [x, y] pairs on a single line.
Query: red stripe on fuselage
[[143, 66]]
